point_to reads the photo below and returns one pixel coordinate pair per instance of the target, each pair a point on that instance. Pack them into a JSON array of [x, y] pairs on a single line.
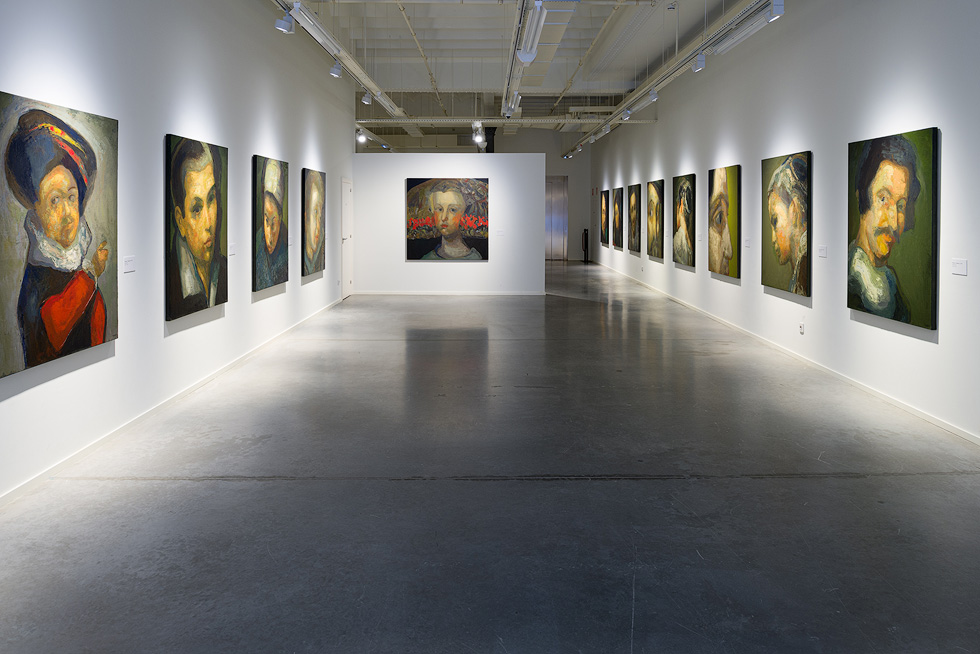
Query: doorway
[[346, 237], [556, 218]]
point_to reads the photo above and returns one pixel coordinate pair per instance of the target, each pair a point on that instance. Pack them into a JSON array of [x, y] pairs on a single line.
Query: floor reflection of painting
[[447, 219], [58, 232]]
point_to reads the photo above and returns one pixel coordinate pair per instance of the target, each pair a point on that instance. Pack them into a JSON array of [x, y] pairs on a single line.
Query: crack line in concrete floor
[[492, 478]]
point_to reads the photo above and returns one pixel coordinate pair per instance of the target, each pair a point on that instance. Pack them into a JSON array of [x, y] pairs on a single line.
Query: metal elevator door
[[556, 217]]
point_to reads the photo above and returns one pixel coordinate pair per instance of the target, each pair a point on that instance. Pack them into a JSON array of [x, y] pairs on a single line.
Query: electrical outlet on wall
[[801, 328]]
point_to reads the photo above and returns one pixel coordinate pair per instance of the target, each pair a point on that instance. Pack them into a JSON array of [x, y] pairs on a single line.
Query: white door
[[346, 237]]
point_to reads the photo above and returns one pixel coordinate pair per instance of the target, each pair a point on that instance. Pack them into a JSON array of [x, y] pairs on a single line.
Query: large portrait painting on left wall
[[447, 219], [58, 232]]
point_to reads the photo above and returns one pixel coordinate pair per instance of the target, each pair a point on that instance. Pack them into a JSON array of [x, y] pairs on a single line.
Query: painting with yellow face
[[893, 226], [617, 217], [724, 187], [58, 284], [447, 219], [785, 244], [655, 219], [604, 217], [314, 183], [197, 240], [270, 226], [633, 212]]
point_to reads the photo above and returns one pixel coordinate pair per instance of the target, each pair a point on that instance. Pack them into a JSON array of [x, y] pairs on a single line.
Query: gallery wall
[[827, 74], [216, 71], [554, 144], [515, 225]]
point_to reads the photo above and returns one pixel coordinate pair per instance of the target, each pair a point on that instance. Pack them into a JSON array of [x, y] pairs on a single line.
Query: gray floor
[[597, 470]]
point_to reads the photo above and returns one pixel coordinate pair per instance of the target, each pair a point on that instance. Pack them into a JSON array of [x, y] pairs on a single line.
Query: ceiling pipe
[[425, 60], [744, 11]]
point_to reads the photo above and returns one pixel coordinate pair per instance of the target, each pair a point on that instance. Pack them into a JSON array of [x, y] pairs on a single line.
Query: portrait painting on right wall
[[684, 220], [617, 219], [655, 219], [786, 223], [314, 183], [724, 220], [604, 217], [893, 226]]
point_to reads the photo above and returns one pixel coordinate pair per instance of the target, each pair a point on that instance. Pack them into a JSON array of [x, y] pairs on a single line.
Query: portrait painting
[[196, 230], [724, 220], [785, 242], [604, 217], [655, 219], [447, 219], [314, 220], [633, 221], [684, 220], [617, 217], [893, 227], [58, 232], [270, 229]]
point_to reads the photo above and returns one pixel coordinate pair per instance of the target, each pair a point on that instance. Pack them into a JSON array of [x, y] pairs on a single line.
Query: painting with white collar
[[58, 236], [197, 236], [893, 227], [447, 219]]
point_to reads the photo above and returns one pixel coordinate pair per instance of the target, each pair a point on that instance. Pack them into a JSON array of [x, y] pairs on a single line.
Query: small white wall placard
[[959, 267]]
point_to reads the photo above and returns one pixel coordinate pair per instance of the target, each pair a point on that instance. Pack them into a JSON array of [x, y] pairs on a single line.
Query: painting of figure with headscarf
[[58, 204], [724, 186], [270, 260], [197, 240], [314, 204], [447, 219]]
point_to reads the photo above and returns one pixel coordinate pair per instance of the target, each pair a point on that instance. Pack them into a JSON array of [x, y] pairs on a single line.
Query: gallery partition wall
[[827, 75], [216, 73], [392, 220]]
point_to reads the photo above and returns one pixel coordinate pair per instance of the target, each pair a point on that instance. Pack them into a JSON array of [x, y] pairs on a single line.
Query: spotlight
[[653, 95], [578, 148], [479, 135], [626, 114], [361, 136], [337, 69], [592, 139], [698, 65], [606, 129], [286, 24], [366, 98]]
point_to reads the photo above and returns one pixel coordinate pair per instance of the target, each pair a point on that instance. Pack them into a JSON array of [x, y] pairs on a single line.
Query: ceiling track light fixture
[[778, 9], [337, 69], [366, 98], [286, 24], [626, 114], [699, 63], [653, 95], [479, 136], [361, 136], [532, 33]]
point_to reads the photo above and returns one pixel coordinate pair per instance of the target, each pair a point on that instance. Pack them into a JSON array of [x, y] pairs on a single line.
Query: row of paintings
[[893, 189], [59, 227]]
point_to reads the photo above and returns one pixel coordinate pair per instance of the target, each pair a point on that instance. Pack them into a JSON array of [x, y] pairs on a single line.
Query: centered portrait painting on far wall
[[617, 217], [724, 220], [684, 219], [196, 231], [633, 211], [270, 227], [58, 232], [314, 220], [785, 247], [655, 219], [447, 219], [604, 217], [893, 226]]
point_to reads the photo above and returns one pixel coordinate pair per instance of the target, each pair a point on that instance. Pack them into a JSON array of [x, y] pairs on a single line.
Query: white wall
[[216, 71], [516, 225], [553, 144], [826, 74]]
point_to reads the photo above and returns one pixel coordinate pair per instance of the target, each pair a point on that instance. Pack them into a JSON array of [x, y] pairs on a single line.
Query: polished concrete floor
[[596, 470]]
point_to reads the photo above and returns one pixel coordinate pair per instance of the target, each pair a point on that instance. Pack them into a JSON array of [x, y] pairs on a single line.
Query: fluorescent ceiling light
[[312, 25], [743, 32], [286, 25], [698, 65], [337, 69], [532, 33]]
